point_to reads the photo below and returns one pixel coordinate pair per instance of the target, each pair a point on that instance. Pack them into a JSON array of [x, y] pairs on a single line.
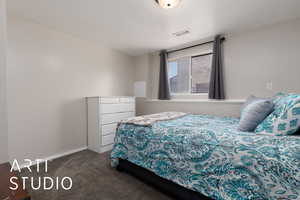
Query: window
[[190, 75], [179, 75]]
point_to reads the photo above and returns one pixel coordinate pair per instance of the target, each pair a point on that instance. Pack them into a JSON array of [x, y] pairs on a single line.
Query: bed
[[208, 155]]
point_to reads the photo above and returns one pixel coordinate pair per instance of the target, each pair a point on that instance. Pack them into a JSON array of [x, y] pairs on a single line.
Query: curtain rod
[[172, 51]]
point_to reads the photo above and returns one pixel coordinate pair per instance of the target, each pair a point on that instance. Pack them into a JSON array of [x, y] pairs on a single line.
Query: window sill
[[189, 94], [231, 101]]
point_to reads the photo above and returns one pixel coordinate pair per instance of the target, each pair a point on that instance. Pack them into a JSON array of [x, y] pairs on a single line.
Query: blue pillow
[[285, 120], [278, 99], [254, 111]]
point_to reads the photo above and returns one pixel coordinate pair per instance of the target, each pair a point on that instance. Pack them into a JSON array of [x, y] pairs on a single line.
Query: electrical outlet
[[269, 86]]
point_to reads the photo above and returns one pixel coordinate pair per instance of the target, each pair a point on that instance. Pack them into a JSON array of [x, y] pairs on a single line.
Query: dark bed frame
[[168, 187]]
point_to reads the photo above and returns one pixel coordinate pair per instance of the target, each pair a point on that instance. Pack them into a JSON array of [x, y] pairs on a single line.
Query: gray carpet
[[93, 179]]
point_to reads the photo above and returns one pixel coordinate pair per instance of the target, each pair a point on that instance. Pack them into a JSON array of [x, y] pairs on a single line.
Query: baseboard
[[50, 158]]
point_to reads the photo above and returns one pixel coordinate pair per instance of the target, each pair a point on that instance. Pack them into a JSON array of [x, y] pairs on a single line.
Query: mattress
[[209, 155]]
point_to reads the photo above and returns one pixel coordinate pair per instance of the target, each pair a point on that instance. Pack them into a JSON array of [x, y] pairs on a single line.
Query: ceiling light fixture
[[168, 3]]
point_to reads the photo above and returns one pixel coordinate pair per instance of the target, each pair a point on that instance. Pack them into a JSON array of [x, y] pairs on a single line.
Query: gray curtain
[[163, 89], [216, 84]]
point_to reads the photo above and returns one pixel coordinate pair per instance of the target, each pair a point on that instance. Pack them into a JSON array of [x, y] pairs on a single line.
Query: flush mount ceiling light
[[168, 3]]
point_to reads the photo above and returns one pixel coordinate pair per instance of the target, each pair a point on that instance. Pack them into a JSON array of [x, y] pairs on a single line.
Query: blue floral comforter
[[208, 155]]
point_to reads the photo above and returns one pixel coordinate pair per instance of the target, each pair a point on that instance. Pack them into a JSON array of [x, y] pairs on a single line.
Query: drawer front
[[115, 117], [109, 100], [109, 129], [116, 108], [108, 139], [127, 100]]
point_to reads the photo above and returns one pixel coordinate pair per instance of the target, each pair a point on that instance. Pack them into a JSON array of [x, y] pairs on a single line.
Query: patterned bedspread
[[207, 154]]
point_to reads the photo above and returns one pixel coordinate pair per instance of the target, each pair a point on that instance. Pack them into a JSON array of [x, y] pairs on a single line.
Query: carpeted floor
[[93, 179]]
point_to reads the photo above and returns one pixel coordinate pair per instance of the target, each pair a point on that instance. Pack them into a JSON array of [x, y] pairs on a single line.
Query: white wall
[[49, 74], [251, 60], [3, 111], [201, 107], [267, 55]]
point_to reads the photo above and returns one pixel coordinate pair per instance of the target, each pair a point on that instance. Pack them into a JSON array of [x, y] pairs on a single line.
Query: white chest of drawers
[[103, 115]]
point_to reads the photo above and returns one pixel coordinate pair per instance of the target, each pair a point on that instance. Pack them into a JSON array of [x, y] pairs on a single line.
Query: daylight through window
[[190, 75]]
